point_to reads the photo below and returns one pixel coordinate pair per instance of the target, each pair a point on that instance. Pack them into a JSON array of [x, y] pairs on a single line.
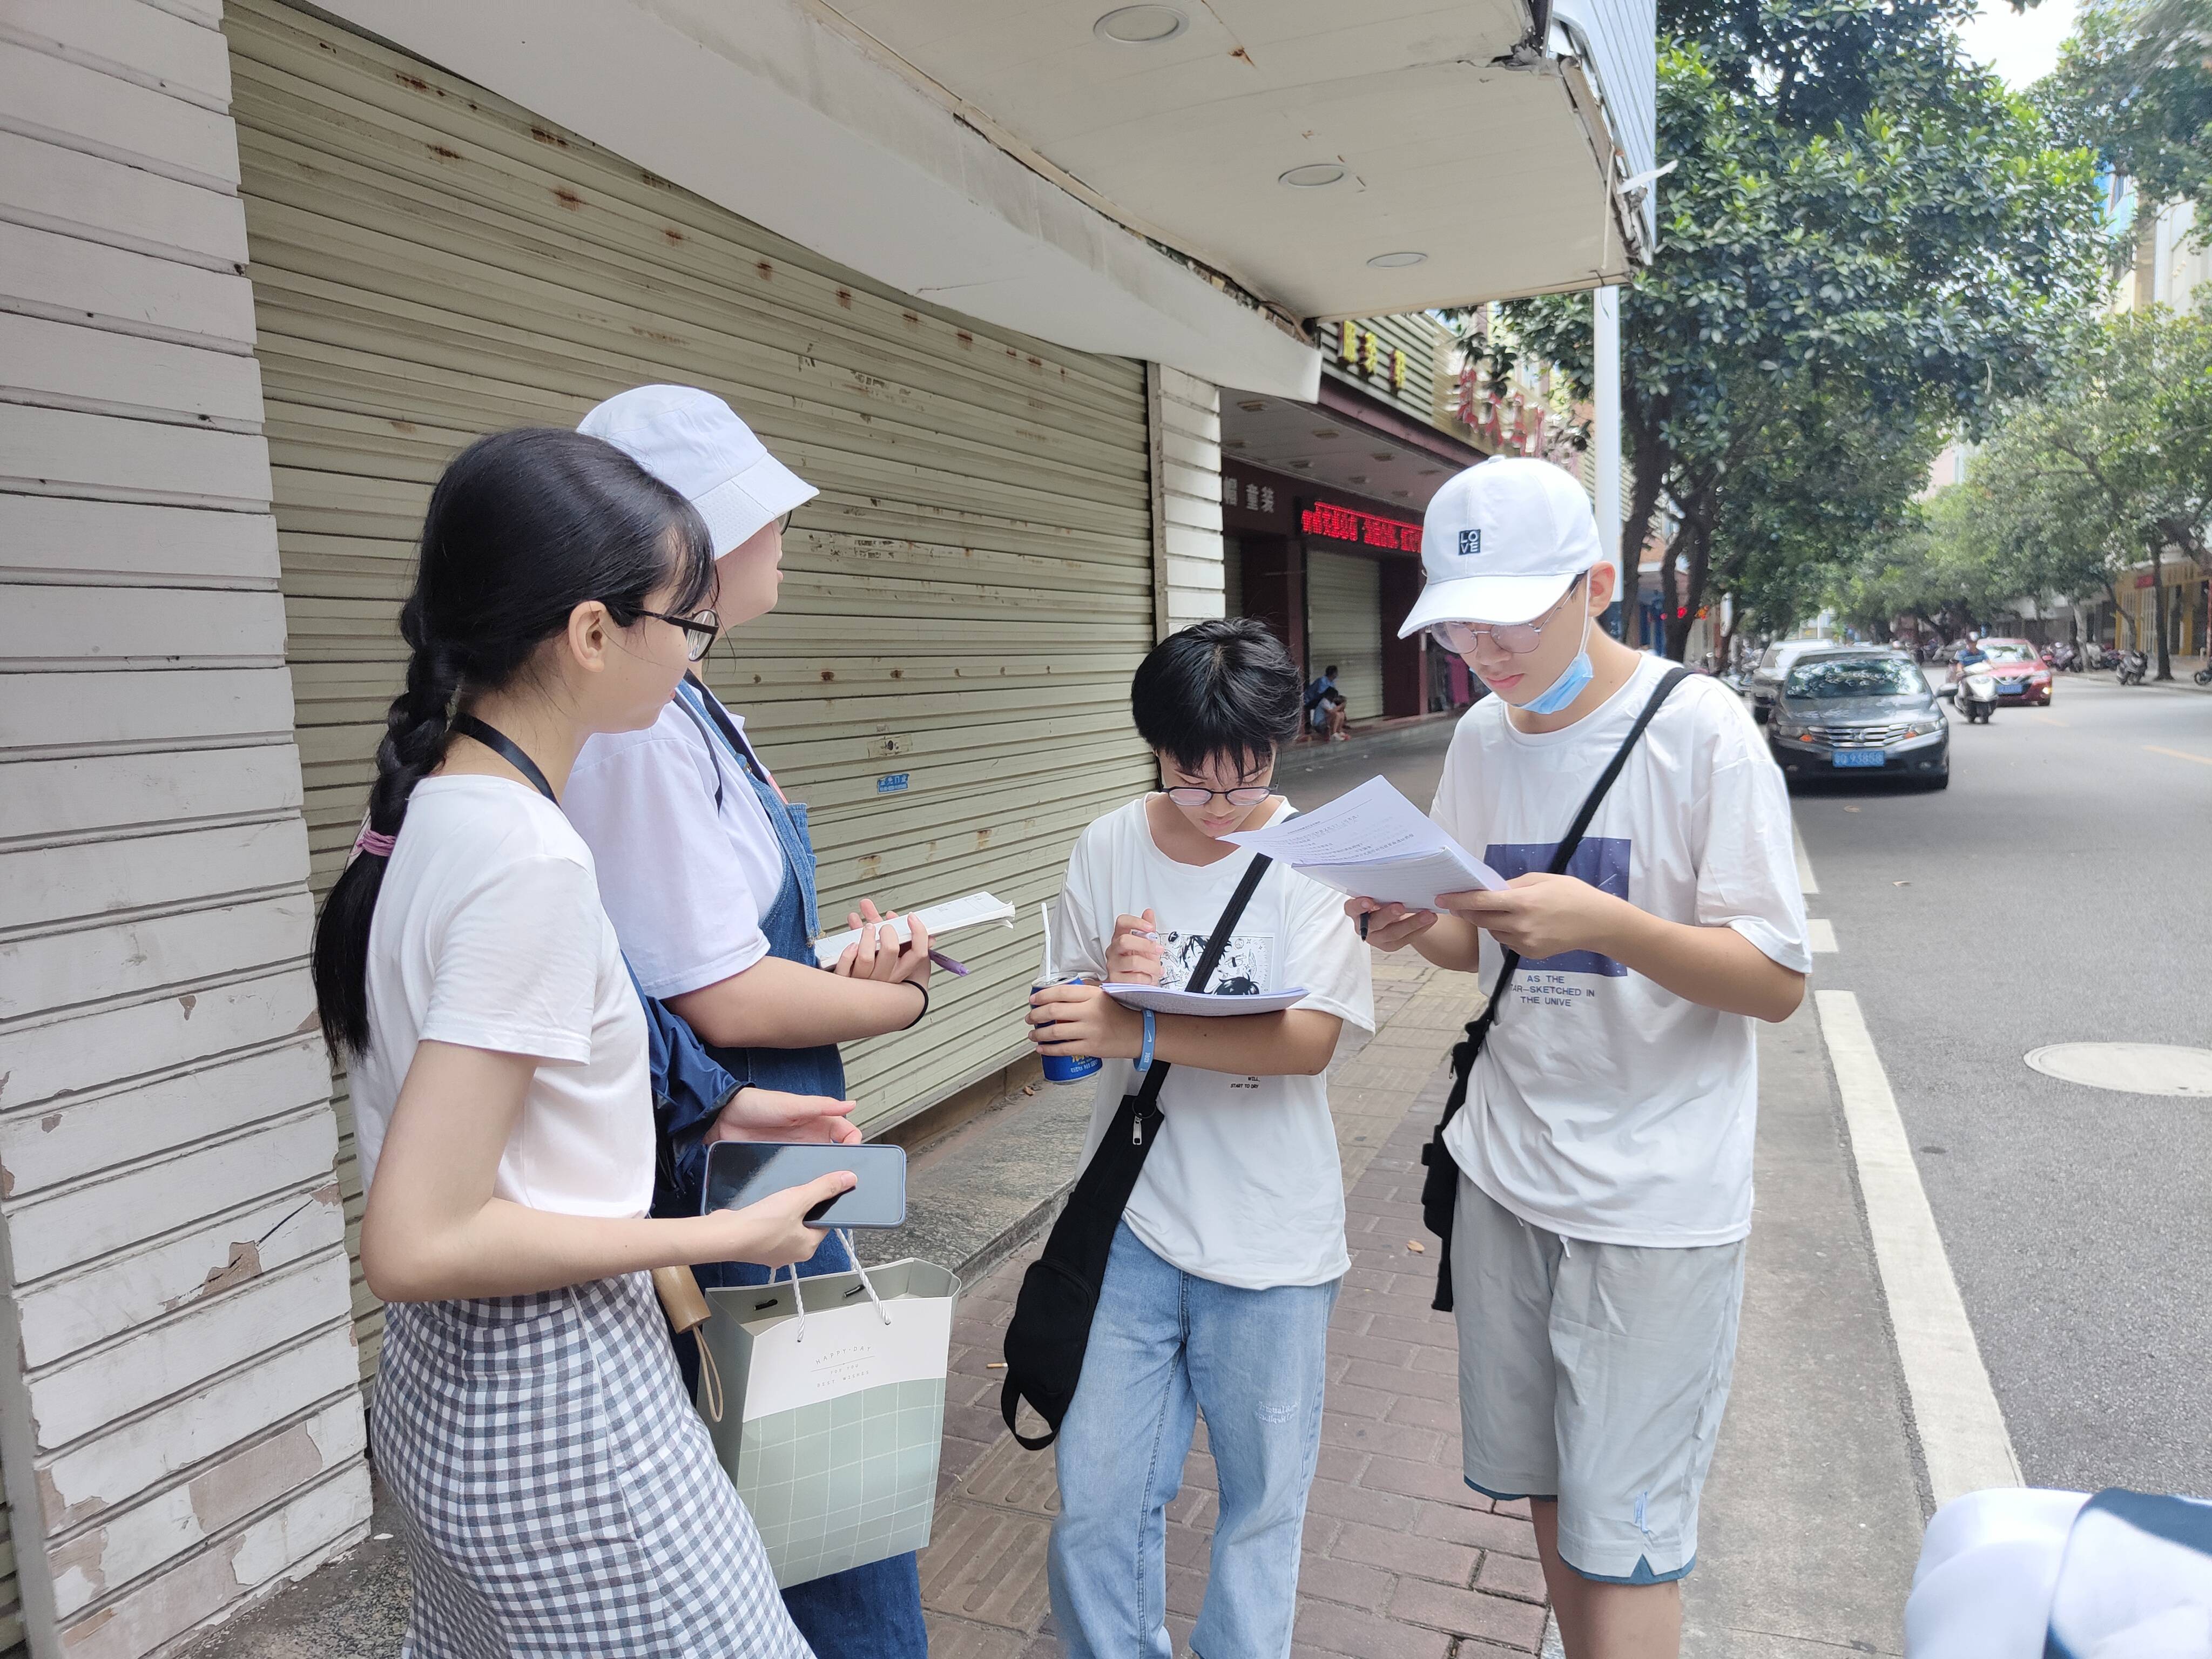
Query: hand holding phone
[[773, 1231], [744, 1173]]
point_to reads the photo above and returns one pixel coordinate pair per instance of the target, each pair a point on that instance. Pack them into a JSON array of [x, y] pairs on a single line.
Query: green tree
[[2134, 82], [1862, 228], [2110, 468]]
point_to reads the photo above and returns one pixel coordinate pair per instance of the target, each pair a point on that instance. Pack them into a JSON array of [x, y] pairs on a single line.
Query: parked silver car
[[1774, 666]]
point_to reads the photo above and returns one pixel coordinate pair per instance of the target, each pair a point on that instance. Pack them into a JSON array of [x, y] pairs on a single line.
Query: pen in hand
[[1363, 924]]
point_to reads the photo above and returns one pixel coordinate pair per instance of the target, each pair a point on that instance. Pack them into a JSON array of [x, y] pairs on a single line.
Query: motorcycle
[[2102, 656], [2203, 675], [2133, 665], [2060, 656], [1974, 693]]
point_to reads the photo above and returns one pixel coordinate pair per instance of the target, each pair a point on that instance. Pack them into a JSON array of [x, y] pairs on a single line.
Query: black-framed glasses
[[1249, 794], [700, 630], [1515, 639], [783, 524]]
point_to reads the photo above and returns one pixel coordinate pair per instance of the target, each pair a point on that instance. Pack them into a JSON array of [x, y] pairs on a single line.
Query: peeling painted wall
[[179, 1424]]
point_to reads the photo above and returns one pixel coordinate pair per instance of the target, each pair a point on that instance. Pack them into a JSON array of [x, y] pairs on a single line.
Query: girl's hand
[[1390, 926], [771, 1114], [1134, 957], [1082, 1020], [773, 1231], [880, 956]]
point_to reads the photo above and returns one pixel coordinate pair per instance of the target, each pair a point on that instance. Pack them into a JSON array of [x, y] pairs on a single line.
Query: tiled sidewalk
[[1402, 1557]]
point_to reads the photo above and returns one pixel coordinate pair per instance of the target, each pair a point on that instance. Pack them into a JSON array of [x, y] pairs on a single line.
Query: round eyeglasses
[[1190, 794], [700, 629], [1515, 639]]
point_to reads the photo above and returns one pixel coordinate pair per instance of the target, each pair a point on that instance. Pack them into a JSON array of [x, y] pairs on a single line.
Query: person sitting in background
[[1325, 711]]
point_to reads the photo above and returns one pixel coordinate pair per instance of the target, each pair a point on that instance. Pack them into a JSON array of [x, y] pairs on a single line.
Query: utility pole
[[1605, 449]]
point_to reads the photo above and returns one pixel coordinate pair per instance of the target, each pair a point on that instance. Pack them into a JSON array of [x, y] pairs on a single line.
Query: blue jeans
[[1165, 1345]]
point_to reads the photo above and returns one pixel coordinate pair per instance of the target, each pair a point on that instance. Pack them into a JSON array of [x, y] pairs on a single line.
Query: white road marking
[[1805, 882], [1962, 1426], [1820, 934]]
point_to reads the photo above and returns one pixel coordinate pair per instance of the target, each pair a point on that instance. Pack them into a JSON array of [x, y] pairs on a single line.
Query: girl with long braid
[[560, 1494]]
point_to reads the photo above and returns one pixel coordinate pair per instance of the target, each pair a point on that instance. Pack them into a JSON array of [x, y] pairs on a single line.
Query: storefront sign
[[1345, 524], [1253, 498], [1362, 352]]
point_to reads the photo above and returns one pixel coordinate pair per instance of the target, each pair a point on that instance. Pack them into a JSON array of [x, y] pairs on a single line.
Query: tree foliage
[[2134, 82], [2111, 468], [1867, 240]]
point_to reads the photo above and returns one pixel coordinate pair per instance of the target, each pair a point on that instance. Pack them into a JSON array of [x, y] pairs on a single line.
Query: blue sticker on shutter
[[891, 783]]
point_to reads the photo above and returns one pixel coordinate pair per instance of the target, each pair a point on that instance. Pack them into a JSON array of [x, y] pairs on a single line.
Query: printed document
[[1211, 1003], [1373, 844], [974, 911]]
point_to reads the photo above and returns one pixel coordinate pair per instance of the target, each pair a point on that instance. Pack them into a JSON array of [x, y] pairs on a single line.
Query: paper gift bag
[[833, 1408]]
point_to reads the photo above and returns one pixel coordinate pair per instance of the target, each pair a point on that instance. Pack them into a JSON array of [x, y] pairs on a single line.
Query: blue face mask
[[1569, 686]]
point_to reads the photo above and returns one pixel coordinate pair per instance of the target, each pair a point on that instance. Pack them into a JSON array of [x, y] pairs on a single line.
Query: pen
[[1363, 924], [948, 963]]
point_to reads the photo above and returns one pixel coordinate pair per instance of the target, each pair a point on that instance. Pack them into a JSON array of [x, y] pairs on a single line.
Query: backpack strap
[[1440, 1187]]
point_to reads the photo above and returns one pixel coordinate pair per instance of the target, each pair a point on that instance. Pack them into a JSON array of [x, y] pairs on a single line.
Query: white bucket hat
[[1502, 542], [694, 442]]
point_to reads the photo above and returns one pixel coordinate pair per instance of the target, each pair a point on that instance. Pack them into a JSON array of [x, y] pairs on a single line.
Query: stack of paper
[[1373, 844], [1212, 1003], [950, 917]]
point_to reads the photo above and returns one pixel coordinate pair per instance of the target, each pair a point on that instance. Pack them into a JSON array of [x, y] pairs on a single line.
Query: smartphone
[[742, 1172]]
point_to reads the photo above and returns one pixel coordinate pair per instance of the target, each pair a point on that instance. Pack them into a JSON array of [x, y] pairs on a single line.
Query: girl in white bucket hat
[[707, 872]]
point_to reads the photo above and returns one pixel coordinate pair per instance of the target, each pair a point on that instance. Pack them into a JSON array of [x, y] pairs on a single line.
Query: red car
[[2021, 674]]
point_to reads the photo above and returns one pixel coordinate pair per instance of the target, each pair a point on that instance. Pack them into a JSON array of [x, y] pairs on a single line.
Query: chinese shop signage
[[1345, 524]]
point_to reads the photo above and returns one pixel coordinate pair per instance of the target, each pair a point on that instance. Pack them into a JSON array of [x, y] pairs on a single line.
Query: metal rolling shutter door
[[962, 606], [1344, 626], [11, 1600]]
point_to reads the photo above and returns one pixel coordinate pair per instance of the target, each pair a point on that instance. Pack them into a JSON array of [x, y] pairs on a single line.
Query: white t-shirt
[[489, 933], [1602, 1107], [686, 882], [1242, 1187]]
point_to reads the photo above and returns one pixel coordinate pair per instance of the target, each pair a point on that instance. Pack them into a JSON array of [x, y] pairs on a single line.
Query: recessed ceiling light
[[1396, 261], [1325, 432], [1360, 478], [1401, 493], [1300, 465], [1314, 175], [1141, 26], [1431, 471], [1232, 443], [1253, 405], [1384, 455]]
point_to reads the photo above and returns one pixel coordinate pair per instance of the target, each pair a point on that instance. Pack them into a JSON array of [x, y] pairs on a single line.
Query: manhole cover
[[2129, 1068]]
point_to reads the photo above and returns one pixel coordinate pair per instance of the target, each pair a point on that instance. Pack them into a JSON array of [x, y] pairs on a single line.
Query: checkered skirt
[[561, 1495]]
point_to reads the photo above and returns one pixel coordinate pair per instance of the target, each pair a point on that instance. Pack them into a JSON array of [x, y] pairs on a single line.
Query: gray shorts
[[1595, 1374]]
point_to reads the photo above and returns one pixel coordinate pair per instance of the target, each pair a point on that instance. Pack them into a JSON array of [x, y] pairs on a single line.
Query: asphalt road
[[2056, 892]]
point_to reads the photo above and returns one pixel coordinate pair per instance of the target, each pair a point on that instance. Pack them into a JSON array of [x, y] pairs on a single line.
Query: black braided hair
[[523, 527]]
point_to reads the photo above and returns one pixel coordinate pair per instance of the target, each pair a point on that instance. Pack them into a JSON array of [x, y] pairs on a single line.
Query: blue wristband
[[1145, 1058]]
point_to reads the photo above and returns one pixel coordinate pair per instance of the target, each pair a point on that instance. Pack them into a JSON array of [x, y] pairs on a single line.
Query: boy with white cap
[[1604, 1153], [707, 873]]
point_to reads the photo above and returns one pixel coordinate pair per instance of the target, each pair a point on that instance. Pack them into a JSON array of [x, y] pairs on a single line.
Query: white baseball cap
[[1502, 543], [694, 442]]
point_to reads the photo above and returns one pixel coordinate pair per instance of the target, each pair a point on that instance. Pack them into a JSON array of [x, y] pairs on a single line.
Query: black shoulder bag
[[1051, 1326], [1440, 1187]]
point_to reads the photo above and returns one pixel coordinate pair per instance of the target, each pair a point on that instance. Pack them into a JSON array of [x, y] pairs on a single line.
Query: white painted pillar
[[1184, 413], [1605, 441]]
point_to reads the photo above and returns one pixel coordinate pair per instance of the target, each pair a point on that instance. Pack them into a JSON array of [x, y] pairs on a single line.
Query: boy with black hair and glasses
[[1603, 1154], [1226, 1265]]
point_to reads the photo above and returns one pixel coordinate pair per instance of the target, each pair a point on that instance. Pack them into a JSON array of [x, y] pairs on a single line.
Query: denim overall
[[872, 1612]]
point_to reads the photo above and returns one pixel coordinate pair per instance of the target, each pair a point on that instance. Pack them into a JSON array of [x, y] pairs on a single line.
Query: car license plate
[[1861, 757], [2014, 689]]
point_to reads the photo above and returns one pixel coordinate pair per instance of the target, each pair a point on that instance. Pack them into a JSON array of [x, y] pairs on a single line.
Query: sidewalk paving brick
[[1402, 1560]]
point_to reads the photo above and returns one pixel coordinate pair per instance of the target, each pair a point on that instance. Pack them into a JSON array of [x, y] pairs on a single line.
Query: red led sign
[[1343, 524]]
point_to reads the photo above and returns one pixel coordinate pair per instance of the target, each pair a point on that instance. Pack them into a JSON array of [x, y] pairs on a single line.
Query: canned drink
[[1067, 1068]]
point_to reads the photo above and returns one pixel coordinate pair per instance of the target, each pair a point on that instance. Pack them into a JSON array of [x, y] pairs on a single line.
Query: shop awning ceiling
[[1004, 157], [1501, 177], [1317, 446]]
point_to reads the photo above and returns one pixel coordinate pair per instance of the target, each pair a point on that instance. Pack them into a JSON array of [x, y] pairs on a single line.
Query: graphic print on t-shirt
[[1601, 860], [1241, 971]]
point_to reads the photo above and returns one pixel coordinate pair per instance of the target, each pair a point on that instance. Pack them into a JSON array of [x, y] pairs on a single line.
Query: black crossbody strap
[[1148, 1093], [1563, 854]]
